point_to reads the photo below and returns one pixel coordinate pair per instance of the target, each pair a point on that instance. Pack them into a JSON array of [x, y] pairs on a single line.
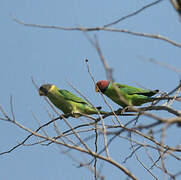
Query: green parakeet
[[67, 101], [125, 95]]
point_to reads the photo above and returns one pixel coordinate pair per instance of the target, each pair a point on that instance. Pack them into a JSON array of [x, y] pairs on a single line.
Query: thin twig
[[133, 13]]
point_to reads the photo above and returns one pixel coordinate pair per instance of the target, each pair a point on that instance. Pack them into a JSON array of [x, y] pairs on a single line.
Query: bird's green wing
[[71, 97], [133, 90]]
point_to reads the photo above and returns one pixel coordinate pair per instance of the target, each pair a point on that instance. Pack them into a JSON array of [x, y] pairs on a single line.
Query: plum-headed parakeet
[[125, 95], [67, 101]]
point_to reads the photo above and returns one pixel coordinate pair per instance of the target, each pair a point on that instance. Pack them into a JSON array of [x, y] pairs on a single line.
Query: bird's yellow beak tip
[[97, 89], [41, 93]]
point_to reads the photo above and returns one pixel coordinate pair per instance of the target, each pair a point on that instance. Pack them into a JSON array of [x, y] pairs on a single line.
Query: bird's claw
[[123, 110], [99, 107], [75, 115], [67, 115]]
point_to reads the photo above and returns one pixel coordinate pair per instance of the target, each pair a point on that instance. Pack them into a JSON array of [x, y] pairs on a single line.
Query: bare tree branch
[[140, 34]]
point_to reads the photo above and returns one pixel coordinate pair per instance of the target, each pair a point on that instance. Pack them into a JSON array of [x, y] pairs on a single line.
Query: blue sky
[[53, 56]]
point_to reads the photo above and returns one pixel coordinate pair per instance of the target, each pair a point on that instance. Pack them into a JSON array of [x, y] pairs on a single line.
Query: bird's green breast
[[60, 102], [116, 96]]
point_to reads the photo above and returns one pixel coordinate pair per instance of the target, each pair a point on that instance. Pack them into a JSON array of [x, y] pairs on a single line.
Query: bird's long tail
[[177, 98], [103, 112]]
